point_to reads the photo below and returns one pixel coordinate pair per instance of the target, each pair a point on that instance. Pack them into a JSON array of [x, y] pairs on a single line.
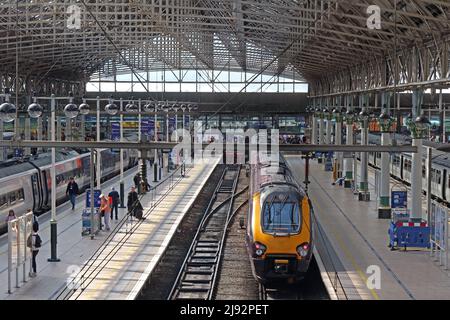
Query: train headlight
[[303, 249], [259, 249]]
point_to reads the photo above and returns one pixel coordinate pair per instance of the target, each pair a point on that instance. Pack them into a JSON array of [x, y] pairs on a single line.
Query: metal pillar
[[428, 179], [69, 130], [338, 141], [122, 183], [58, 128], [348, 161], [82, 128], [39, 131], [416, 181], [416, 170], [49, 131], [92, 186], [27, 150], [364, 194], [53, 222], [321, 131], [384, 205], [321, 135], [443, 138], [167, 127], [314, 130], [155, 160], [99, 158]]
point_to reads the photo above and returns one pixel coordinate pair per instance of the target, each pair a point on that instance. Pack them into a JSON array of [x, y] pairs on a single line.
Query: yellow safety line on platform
[[349, 256]]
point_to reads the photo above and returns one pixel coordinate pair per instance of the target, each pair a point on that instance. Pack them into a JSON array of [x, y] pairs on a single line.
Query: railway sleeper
[[203, 261], [194, 286], [198, 278]]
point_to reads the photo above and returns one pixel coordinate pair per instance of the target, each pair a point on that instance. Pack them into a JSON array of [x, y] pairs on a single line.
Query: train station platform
[[352, 242], [114, 265]]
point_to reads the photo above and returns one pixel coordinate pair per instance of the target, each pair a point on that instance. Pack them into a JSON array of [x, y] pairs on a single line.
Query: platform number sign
[[399, 199]]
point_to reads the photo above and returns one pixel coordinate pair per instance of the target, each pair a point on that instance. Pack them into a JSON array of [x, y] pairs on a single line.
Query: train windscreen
[[281, 217]]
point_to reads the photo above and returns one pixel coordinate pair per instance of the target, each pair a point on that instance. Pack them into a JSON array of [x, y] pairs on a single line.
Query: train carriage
[[27, 185], [279, 231]]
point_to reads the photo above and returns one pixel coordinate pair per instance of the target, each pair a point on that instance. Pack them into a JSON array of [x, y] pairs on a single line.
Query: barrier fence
[[19, 255], [439, 233]]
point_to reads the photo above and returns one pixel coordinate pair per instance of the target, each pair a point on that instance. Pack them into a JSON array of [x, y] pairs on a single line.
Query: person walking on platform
[[114, 196], [34, 242], [105, 210], [72, 191], [133, 204]]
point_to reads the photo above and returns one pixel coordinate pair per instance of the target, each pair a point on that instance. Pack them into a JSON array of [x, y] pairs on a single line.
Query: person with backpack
[[134, 205], [34, 242]]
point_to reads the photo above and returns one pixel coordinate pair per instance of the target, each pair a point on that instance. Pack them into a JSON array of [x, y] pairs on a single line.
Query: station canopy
[[301, 38]]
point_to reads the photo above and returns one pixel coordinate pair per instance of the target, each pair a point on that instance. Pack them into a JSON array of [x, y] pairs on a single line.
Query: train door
[[443, 184], [402, 162], [45, 189], [37, 196]]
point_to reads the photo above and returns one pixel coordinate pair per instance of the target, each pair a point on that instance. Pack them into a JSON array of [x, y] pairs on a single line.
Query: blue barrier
[[409, 235]]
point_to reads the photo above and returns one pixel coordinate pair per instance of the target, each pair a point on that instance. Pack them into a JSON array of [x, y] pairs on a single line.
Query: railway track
[[198, 274], [235, 279], [310, 288]]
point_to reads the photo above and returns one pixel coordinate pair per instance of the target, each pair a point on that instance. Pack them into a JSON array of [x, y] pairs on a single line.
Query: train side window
[[12, 198], [20, 195], [439, 177], [3, 202]]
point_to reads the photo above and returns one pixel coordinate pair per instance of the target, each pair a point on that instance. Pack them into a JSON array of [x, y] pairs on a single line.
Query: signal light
[[303, 249], [258, 249]]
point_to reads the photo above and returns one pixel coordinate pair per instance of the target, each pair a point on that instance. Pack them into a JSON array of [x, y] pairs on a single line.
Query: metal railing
[[127, 226], [19, 229], [439, 233]]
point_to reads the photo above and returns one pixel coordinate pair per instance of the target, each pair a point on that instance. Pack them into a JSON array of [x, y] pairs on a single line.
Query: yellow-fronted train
[[279, 224]]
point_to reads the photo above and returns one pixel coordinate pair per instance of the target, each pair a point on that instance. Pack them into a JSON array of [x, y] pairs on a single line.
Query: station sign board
[[115, 131], [399, 199], [97, 194]]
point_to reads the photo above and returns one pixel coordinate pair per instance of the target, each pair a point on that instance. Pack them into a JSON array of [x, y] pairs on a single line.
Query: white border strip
[[324, 275]]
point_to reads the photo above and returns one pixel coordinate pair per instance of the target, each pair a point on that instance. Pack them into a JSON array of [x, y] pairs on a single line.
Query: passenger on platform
[[133, 203], [339, 181], [72, 191], [34, 242], [114, 196], [137, 182], [11, 216], [105, 210]]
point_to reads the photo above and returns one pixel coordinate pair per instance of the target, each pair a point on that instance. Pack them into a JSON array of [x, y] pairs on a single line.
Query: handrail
[[73, 285]]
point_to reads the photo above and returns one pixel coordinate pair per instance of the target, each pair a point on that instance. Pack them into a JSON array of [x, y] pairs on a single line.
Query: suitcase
[[139, 213]]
